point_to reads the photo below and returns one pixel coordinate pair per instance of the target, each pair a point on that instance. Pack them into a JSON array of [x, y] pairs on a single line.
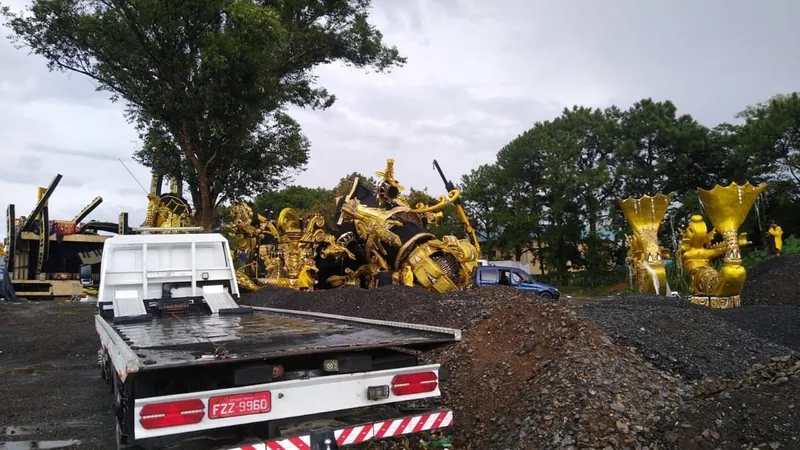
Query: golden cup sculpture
[[726, 208], [645, 257]]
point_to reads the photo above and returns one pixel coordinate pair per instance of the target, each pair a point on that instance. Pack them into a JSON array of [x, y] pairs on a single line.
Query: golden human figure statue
[[645, 257], [245, 240], [726, 207], [408, 276]]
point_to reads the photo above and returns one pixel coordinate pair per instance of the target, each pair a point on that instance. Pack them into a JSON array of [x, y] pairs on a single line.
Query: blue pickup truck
[[489, 275]]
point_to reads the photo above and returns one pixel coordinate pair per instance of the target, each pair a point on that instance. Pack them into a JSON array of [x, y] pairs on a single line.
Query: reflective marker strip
[[363, 433]]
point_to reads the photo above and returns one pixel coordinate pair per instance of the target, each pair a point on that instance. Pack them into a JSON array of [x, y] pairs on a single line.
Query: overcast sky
[[478, 74]]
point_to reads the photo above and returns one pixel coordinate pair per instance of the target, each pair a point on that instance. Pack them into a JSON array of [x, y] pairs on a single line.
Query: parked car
[[514, 277]]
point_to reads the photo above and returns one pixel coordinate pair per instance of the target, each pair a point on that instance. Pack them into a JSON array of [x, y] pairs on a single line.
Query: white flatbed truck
[[181, 356]]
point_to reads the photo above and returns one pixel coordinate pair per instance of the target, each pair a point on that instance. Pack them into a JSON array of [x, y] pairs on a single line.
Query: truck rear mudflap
[[360, 434]]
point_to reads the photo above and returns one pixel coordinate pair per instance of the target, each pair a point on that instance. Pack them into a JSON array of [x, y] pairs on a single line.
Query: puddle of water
[[30, 445], [20, 371], [17, 431]]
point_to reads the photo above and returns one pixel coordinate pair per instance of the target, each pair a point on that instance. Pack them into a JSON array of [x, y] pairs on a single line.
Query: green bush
[[791, 246]]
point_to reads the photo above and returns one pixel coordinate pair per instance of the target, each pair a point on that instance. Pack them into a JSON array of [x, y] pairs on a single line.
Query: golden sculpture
[[293, 263], [645, 257], [378, 239], [393, 237], [245, 238], [280, 254], [168, 210], [726, 207]]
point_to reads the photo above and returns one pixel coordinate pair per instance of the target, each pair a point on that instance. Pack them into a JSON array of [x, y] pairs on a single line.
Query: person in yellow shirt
[[777, 234]]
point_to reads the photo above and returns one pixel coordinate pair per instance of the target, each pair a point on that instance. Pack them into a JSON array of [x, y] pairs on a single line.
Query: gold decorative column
[[645, 255], [726, 208]]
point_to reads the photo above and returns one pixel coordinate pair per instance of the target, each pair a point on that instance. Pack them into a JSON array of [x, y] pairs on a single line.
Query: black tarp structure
[[6, 289]]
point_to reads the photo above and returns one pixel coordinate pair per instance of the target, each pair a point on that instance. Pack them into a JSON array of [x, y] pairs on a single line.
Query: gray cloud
[[91, 154], [478, 75], [131, 192]]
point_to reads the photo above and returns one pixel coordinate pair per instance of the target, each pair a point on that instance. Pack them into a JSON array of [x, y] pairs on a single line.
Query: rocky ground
[[50, 389], [628, 372], [686, 339], [623, 372]]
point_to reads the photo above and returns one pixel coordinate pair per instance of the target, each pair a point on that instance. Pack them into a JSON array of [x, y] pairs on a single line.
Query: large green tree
[[207, 81], [304, 200], [344, 185], [772, 134]]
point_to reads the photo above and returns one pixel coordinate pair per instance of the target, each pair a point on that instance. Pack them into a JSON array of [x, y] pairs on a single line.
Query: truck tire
[[546, 295]]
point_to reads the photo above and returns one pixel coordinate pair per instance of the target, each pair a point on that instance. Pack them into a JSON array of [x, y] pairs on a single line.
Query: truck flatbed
[[170, 341]]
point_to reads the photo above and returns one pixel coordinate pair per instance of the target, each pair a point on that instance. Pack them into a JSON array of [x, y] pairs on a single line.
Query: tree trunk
[[204, 212]]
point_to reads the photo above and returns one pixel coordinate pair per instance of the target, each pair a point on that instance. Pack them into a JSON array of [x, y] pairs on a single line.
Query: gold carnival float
[[645, 259], [377, 239], [280, 254], [167, 210], [726, 208]]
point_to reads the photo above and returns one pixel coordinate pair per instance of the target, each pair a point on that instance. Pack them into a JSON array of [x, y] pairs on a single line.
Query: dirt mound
[[679, 337], [528, 373], [774, 281]]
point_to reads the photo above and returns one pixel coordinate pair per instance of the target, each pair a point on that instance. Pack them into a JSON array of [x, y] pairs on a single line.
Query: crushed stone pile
[[682, 338], [632, 372], [774, 281], [528, 373], [775, 372], [779, 324], [760, 410]]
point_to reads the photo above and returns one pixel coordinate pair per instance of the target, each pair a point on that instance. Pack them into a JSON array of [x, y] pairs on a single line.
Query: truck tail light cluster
[[415, 383], [172, 414]]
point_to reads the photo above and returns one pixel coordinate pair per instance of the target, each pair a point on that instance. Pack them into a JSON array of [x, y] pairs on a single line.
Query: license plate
[[239, 405]]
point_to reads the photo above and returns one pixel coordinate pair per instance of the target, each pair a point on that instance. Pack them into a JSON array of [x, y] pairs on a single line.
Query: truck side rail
[[119, 352], [453, 333]]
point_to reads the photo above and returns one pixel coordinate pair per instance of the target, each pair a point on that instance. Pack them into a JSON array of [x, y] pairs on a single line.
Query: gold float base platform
[[733, 301]]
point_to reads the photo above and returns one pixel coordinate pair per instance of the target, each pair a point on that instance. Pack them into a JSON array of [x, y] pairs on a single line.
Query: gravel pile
[[779, 324], [774, 281], [760, 410], [528, 373], [536, 374], [682, 338]]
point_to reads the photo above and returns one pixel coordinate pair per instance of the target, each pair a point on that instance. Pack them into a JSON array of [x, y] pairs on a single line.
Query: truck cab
[[516, 278]]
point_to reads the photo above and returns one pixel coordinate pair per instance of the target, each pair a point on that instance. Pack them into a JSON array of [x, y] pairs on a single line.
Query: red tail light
[[414, 383], [172, 414]]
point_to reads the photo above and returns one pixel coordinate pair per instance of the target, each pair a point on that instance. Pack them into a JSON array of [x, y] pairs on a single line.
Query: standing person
[[769, 240], [777, 234]]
